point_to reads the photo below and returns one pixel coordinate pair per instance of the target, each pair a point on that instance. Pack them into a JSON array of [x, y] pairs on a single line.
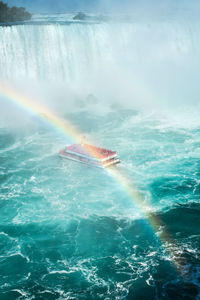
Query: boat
[[90, 155]]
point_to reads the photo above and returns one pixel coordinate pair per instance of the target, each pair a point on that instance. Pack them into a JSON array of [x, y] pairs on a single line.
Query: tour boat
[[90, 155]]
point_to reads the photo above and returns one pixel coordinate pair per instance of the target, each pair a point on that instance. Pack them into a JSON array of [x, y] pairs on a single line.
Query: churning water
[[68, 231]]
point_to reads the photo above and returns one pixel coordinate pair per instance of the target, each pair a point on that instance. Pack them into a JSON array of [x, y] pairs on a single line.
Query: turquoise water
[[69, 231]]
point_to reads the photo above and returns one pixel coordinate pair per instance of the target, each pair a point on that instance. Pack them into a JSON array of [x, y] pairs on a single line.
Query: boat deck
[[90, 150], [91, 155]]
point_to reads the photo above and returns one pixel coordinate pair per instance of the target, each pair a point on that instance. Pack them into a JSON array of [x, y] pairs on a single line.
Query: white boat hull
[[101, 166]]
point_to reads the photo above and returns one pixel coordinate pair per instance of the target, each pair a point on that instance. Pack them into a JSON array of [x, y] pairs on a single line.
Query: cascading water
[[72, 232], [158, 60]]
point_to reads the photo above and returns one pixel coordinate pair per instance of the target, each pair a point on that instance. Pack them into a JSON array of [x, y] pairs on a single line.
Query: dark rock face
[[80, 16], [13, 14], [83, 17]]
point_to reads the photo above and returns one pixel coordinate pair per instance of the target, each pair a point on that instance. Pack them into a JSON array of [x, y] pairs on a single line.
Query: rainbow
[[44, 113], [126, 183]]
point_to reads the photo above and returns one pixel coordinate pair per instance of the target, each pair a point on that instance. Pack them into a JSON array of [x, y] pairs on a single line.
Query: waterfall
[[154, 59]]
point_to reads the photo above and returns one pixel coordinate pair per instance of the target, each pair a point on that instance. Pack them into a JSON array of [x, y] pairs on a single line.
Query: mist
[[138, 65], [148, 62]]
